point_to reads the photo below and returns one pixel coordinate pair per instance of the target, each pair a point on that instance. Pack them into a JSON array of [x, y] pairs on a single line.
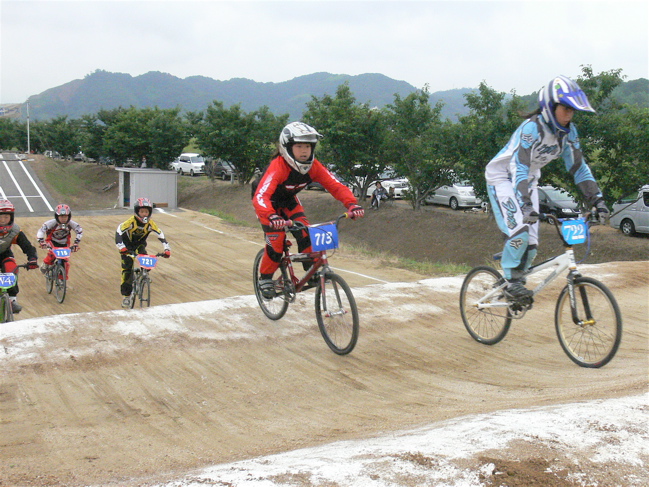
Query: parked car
[[223, 170], [631, 213], [318, 186], [189, 163], [557, 202], [458, 195]]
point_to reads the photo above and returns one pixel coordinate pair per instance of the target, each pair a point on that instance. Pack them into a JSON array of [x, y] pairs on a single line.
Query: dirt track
[[129, 397]]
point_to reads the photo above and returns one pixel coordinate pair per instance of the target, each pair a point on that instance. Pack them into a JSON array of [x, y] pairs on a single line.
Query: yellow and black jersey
[[132, 233]]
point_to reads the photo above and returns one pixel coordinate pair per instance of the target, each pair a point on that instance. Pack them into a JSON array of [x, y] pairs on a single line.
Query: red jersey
[[280, 184]]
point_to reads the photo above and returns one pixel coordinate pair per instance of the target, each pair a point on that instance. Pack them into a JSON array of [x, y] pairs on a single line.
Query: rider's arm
[[161, 236], [277, 172], [122, 240], [338, 190], [576, 165], [77, 230], [528, 134], [26, 246]]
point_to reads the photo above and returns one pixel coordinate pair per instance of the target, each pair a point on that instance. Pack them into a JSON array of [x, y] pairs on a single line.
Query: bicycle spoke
[[484, 314], [337, 314], [590, 334]]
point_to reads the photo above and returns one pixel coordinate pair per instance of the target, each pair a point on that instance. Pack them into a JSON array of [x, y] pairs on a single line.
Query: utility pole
[[28, 145]]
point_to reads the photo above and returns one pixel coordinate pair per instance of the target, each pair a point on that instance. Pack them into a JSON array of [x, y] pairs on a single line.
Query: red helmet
[[7, 208], [62, 210], [143, 203]]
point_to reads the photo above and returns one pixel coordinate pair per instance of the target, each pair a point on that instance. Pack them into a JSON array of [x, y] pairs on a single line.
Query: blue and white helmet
[[293, 133], [562, 91]]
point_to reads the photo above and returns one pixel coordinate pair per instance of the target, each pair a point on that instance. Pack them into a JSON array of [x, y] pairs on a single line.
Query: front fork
[[572, 277]]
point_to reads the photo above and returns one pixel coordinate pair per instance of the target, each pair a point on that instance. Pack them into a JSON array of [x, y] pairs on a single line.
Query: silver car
[[459, 195], [631, 213]]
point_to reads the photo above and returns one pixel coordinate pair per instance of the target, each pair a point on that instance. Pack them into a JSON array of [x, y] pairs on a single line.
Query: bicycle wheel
[[60, 282], [6, 313], [592, 338], [135, 291], [144, 291], [274, 308], [337, 314], [489, 324], [49, 281]]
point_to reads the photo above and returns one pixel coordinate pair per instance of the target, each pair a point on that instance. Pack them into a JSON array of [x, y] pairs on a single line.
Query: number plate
[[574, 231], [7, 280], [61, 252], [324, 237], [147, 261]]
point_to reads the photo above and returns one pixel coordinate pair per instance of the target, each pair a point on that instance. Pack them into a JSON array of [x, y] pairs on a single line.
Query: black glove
[[602, 211], [355, 211], [32, 264], [276, 222], [530, 216]]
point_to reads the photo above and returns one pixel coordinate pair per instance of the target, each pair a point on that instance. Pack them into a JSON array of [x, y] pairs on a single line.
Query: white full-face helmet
[[293, 133], [562, 91]]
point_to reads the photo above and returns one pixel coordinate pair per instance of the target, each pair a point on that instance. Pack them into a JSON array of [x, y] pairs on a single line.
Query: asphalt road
[[19, 184]]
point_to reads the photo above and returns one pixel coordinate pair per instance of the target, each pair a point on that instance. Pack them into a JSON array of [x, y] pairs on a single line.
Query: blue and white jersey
[[534, 145]]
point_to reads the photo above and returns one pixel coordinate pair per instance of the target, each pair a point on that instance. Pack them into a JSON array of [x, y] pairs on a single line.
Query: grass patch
[[65, 180], [426, 267], [228, 218]]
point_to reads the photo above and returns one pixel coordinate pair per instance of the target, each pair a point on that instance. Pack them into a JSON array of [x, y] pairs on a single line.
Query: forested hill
[[105, 90]]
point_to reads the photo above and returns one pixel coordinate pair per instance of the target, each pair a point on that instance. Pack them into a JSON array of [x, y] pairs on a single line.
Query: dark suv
[[557, 202], [223, 170]]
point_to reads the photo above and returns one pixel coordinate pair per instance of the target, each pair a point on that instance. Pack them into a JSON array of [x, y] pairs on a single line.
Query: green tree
[[416, 144], [354, 136], [480, 135], [243, 139], [11, 134], [154, 133]]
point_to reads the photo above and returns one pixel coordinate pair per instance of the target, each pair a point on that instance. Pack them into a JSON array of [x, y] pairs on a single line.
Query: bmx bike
[[587, 317], [335, 307], [141, 290], [7, 280], [56, 276]]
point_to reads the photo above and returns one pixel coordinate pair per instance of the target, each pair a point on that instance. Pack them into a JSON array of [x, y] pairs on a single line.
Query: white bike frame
[[560, 262]]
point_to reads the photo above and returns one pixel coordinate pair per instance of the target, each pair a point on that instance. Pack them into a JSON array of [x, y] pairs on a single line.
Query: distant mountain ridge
[[106, 90]]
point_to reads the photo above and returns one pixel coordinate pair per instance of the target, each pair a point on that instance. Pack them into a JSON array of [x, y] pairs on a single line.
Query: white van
[[189, 163], [631, 213]]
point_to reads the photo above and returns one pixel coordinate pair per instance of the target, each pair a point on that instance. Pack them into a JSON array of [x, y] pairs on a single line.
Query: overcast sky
[[511, 45]]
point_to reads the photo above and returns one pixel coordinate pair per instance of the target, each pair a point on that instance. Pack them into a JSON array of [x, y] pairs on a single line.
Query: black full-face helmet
[[143, 203]]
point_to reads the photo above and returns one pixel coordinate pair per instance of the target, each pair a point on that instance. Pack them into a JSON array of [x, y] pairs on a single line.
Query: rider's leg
[[509, 218], [126, 285]]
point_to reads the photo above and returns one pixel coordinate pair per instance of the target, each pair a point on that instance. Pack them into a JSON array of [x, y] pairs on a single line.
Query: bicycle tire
[[6, 313], [60, 282], [134, 290], [488, 325], [337, 314], [274, 308], [595, 340], [144, 291], [49, 281]]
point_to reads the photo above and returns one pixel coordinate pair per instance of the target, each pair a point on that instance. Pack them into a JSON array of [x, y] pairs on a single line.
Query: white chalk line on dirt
[[261, 245], [609, 432], [220, 319]]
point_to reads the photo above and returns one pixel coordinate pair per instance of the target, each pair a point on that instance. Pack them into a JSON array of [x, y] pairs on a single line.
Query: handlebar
[[293, 225]]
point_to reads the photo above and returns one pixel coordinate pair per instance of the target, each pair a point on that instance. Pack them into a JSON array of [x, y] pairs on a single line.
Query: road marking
[[36, 186], [11, 174]]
